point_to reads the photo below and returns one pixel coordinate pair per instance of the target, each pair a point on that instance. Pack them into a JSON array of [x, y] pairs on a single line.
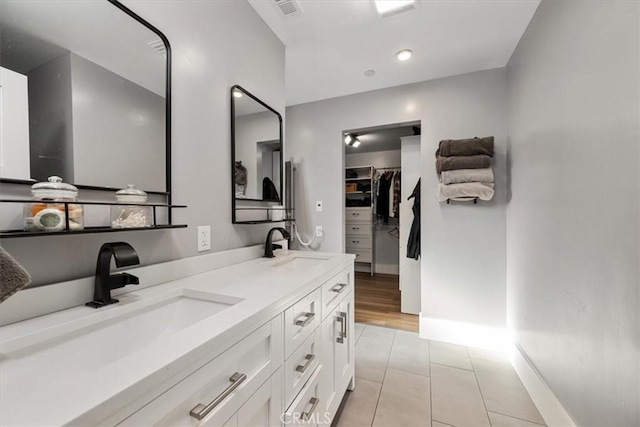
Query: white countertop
[[43, 391]]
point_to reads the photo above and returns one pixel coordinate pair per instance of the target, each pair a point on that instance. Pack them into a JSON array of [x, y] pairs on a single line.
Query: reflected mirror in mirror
[[84, 95], [257, 148]]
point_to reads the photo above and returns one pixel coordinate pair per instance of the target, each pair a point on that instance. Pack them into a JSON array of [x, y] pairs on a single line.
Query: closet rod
[[388, 169]]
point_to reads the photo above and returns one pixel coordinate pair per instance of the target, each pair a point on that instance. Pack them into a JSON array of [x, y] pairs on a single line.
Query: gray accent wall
[[463, 245], [207, 61], [573, 282]]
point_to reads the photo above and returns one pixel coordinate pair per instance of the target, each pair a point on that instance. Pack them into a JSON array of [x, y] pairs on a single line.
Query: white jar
[[131, 210]]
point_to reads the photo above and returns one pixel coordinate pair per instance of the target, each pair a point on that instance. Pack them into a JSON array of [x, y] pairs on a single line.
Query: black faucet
[[125, 256], [269, 247]]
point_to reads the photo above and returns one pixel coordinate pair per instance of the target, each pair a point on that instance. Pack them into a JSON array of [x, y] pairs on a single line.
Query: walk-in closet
[[382, 172]]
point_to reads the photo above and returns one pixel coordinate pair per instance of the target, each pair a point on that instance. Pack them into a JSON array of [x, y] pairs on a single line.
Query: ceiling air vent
[[288, 7]]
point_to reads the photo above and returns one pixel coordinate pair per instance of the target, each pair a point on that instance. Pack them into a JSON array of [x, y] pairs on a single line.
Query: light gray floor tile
[[455, 397], [404, 400], [372, 353], [503, 391], [499, 420], [437, 424], [480, 353], [450, 355], [410, 353], [359, 328], [360, 405]]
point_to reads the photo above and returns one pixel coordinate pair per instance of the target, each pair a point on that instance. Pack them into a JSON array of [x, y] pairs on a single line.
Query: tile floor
[[402, 380]]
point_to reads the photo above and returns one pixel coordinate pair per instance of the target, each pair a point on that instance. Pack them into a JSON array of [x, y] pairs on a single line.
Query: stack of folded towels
[[464, 167]]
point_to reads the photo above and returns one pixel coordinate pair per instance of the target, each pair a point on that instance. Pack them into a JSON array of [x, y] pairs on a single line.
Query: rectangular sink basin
[[95, 341], [300, 262]]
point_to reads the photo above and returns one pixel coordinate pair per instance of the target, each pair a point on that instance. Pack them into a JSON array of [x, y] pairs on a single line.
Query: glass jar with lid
[[131, 211], [45, 215]]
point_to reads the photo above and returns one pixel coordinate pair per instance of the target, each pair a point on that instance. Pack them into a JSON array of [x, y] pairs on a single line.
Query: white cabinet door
[[264, 408], [338, 354]]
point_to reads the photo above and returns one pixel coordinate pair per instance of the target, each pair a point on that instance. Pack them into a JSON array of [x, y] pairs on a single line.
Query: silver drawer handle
[[339, 288], [342, 318], [309, 358], [201, 411], [314, 404], [308, 317]]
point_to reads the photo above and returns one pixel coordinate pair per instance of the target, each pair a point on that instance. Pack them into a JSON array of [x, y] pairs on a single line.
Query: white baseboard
[[548, 405], [497, 340]]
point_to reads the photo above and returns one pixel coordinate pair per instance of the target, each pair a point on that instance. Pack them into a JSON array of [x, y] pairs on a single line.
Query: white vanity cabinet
[[294, 370]]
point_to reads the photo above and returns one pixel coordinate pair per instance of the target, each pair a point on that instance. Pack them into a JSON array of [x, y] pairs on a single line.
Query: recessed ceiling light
[[347, 139], [355, 144], [393, 7], [237, 93], [370, 73], [403, 55]]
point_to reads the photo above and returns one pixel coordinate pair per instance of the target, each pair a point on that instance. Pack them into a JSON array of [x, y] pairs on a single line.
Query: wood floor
[[378, 302]]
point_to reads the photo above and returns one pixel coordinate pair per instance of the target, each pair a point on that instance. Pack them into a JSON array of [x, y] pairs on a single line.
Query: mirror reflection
[[83, 95], [257, 149]]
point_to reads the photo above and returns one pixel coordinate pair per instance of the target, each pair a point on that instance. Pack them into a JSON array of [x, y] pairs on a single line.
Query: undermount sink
[[300, 262], [94, 341]]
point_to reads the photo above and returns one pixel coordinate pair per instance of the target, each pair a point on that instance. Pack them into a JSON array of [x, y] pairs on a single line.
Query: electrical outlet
[[204, 238], [319, 206], [319, 231]]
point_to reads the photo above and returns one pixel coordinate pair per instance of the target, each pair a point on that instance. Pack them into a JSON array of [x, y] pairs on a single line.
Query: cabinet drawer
[[358, 242], [358, 215], [222, 385], [305, 409], [362, 255], [334, 289], [299, 367], [358, 229], [300, 320]]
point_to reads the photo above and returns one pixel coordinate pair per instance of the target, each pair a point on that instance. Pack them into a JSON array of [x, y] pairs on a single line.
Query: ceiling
[[380, 140], [330, 44]]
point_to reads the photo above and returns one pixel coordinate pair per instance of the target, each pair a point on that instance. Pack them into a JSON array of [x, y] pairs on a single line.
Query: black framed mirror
[[90, 96], [256, 159]]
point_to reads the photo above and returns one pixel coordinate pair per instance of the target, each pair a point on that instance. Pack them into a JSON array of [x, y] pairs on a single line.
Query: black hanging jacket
[[413, 244]]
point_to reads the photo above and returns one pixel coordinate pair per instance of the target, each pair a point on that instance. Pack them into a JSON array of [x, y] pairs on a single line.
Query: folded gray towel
[[466, 147], [480, 161], [466, 175], [12, 276]]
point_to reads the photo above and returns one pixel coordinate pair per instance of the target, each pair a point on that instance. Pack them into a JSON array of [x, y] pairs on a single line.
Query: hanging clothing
[[413, 243], [382, 201], [396, 195], [269, 191], [391, 195]]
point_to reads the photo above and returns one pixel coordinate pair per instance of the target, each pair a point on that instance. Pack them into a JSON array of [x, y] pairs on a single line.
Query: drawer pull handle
[[308, 317], [342, 318], [309, 358], [201, 411], [339, 288], [314, 404]]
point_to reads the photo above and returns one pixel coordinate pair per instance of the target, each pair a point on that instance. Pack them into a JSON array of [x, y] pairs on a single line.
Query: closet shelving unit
[[359, 215], [5, 234]]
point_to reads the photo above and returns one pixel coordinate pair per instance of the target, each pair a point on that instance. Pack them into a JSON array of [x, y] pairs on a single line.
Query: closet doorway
[[382, 169]]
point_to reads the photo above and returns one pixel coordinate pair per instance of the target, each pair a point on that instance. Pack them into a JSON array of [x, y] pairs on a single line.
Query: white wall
[[573, 258], [409, 268], [387, 248], [215, 45], [463, 250]]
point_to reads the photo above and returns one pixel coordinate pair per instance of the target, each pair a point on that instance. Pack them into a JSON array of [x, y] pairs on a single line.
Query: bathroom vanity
[[263, 342]]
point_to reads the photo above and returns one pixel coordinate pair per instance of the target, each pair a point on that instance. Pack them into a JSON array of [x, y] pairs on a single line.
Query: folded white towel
[[466, 175], [466, 190]]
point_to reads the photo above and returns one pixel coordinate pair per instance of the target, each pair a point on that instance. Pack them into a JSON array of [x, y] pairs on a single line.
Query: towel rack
[[475, 201]]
